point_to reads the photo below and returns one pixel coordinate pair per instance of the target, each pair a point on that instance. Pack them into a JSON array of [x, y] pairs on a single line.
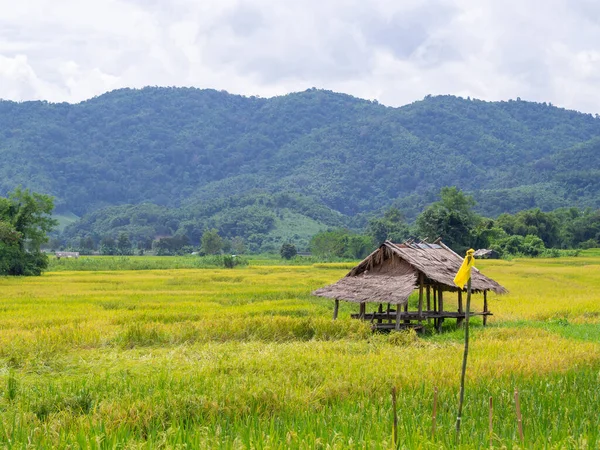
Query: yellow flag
[[464, 273]]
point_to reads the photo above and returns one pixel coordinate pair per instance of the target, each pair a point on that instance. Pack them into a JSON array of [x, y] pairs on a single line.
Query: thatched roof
[[390, 274]]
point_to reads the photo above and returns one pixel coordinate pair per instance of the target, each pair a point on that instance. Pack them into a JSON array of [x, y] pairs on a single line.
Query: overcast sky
[[395, 51]]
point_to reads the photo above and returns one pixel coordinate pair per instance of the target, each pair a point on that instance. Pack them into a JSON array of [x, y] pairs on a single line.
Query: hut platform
[[412, 319]]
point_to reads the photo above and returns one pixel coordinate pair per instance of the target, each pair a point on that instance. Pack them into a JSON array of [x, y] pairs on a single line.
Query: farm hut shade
[[393, 271]]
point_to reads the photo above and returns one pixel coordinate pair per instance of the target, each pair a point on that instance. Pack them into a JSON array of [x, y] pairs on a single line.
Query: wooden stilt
[[363, 309], [380, 311], [460, 309], [336, 308], [421, 280], [389, 317], [485, 308], [435, 307], [406, 310], [440, 309], [428, 302], [398, 317]]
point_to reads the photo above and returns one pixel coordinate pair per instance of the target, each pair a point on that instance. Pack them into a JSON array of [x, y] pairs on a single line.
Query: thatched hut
[[392, 272]]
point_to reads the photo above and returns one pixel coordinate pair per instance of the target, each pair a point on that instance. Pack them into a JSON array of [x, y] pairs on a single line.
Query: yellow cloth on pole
[[464, 273]]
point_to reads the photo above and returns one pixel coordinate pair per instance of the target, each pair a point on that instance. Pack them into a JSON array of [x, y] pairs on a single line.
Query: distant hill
[[187, 148]]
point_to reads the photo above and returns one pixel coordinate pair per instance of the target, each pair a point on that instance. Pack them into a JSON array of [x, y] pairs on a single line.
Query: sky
[[392, 51]]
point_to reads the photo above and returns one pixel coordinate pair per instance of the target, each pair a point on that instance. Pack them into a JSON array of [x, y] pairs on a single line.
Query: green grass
[[246, 358], [116, 263]]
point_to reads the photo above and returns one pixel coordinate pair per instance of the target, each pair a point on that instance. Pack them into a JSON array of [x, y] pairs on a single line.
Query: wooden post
[[435, 308], [398, 316], [460, 309], [380, 311], [336, 308], [440, 309], [421, 280], [406, 311], [363, 309], [395, 423], [464, 364], [389, 317], [491, 423], [428, 303], [485, 308], [434, 415], [519, 418]]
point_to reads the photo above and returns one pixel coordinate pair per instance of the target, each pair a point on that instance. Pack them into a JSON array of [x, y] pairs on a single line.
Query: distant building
[[67, 255], [484, 253]]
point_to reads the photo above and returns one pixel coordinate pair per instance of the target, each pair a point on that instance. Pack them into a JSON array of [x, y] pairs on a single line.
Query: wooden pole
[[464, 364], [336, 308], [491, 422], [398, 316], [421, 281], [395, 423], [380, 311], [428, 303], [435, 308], [460, 309], [440, 309], [485, 308], [434, 415], [389, 317], [519, 418], [363, 309]]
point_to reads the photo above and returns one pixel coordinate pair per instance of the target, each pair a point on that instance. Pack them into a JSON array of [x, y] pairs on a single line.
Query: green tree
[[108, 246], [340, 243], [390, 227], [211, 242], [451, 218], [124, 246], [238, 246], [87, 245], [25, 221], [288, 250]]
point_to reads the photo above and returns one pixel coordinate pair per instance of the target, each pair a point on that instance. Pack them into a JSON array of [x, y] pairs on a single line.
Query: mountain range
[[185, 157]]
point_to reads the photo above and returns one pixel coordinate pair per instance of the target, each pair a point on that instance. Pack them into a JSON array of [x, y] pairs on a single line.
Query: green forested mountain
[[325, 157]]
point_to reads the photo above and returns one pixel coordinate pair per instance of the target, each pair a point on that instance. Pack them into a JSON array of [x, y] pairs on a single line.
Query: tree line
[[452, 217], [530, 232], [25, 221]]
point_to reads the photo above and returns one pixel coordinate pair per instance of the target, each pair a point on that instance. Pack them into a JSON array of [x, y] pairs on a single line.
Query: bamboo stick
[[464, 364], [434, 415], [395, 423], [491, 422], [519, 417]]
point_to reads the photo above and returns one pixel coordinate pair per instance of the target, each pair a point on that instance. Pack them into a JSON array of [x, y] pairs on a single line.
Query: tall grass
[[246, 358]]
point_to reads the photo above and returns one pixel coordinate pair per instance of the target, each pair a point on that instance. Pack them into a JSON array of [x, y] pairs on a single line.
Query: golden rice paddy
[[247, 358]]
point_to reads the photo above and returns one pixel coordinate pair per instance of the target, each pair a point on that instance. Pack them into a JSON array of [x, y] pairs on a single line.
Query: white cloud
[[396, 52]]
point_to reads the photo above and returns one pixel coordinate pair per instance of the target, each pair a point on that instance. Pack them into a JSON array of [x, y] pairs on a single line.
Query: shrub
[[288, 251]]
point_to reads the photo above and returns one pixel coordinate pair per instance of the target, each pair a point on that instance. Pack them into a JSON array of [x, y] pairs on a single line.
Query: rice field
[[246, 358]]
